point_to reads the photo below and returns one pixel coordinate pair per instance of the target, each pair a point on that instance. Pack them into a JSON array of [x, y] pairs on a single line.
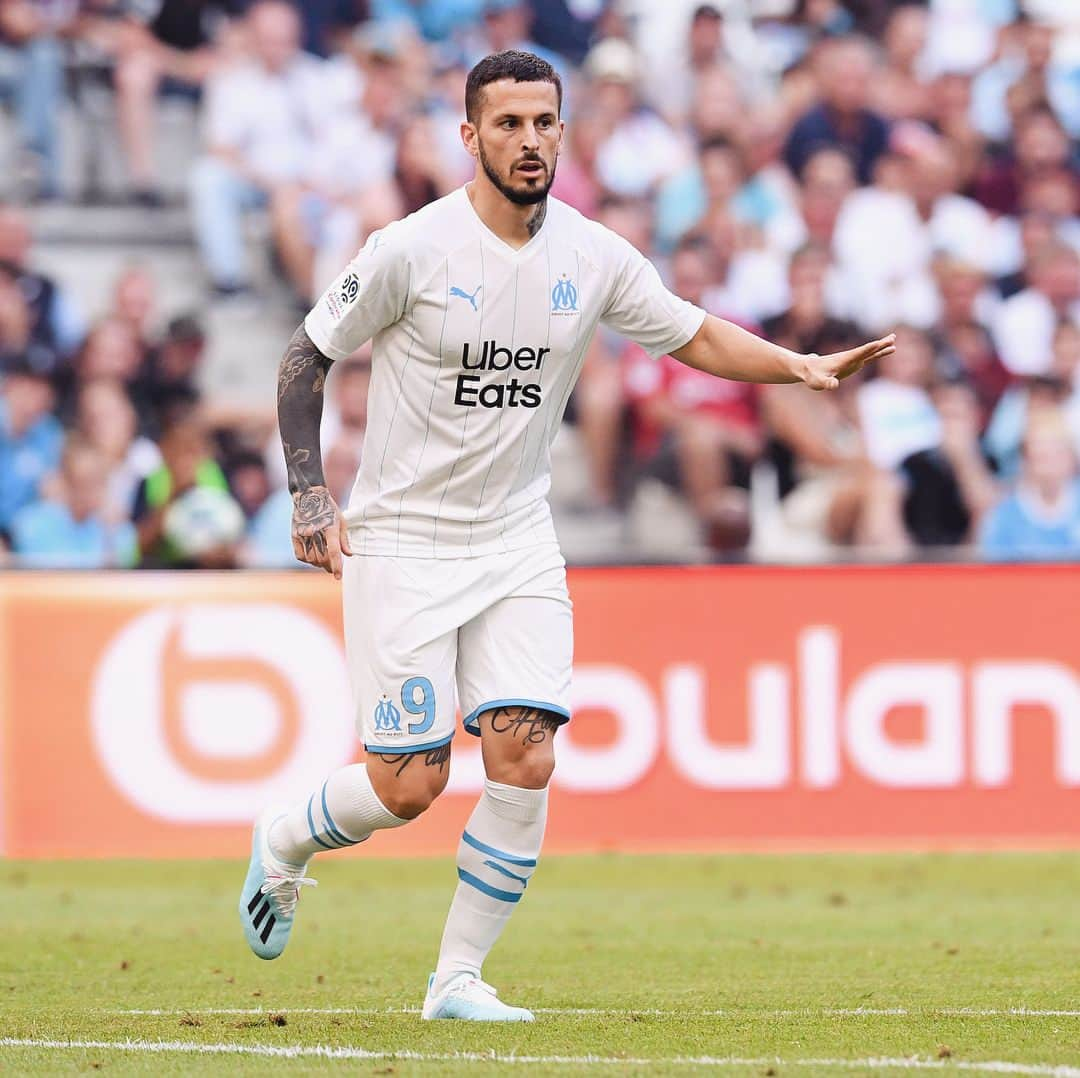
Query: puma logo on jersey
[[455, 291]]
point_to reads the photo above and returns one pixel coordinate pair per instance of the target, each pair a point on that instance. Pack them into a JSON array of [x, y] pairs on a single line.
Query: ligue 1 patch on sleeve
[[341, 295]]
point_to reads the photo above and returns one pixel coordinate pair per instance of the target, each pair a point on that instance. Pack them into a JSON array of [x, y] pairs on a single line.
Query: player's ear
[[469, 136]]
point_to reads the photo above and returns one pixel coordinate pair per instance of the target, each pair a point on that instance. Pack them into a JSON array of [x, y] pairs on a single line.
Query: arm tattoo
[[531, 724], [313, 513], [301, 379], [537, 219], [439, 758]]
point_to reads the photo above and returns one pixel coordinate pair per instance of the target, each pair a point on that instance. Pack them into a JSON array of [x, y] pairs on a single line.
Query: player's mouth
[[531, 168]]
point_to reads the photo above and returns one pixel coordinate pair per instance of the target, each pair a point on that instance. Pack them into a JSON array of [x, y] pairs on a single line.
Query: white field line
[[628, 1012], [323, 1051]]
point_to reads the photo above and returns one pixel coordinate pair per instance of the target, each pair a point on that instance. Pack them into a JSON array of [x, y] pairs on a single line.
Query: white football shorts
[[424, 637]]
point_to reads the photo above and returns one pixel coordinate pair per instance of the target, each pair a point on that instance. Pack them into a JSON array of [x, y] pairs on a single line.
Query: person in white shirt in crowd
[[641, 150], [897, 416], [1025, 324], [1058, 388], [106, 419], [887, 233], [340, 194], [711, 38], [1031, 63], [261, 121]]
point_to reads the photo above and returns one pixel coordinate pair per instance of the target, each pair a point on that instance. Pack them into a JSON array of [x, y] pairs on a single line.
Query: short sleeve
[[641, 308], [371, 293]]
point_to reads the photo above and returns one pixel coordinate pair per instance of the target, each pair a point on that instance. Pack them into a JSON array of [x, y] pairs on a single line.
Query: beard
[[528, 197]]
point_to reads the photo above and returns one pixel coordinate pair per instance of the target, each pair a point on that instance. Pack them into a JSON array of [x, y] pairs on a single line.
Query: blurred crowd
[[816, 170]]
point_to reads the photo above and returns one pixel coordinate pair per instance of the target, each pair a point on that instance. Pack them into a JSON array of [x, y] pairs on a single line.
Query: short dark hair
[[511, 64]]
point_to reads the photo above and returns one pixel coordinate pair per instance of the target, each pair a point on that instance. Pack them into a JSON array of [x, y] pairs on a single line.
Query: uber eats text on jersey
[[512, 393]]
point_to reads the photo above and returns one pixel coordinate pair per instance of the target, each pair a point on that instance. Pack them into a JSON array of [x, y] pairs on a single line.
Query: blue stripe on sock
[[486, 888], [331, 826], [523, 880], [311, 826], [509, 858]]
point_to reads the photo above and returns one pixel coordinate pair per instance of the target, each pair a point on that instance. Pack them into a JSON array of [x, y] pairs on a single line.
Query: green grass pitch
[[768, 965]]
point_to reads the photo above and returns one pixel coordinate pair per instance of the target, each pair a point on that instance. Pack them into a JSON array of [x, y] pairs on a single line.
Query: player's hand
[[319, 535], [826, 372]]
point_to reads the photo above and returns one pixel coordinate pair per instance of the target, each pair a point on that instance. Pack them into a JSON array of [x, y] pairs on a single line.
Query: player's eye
[[509, 124]]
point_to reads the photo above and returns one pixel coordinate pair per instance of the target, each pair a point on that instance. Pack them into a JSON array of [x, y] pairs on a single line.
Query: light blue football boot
[[471, 1000], [271, 891]]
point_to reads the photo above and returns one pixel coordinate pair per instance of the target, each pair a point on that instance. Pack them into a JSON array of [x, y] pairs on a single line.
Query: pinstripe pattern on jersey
[[431, 400], [502, 413], [468, 411]]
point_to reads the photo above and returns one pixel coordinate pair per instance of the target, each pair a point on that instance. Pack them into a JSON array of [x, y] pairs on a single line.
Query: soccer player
[[481, 307]]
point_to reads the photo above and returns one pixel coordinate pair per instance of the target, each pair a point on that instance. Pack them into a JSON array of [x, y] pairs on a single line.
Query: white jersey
[[476, 347]]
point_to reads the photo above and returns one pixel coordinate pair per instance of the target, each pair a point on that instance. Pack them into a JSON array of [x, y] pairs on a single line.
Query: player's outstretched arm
[[729, 351], [319, 535]]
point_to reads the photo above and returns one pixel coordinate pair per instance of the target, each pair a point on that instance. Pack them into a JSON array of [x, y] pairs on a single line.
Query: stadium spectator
[[1058, 388], [897, 416], [707, 428], [75, 528], [106, 420], [505, 24], [166, 47], [32, 78], [950, 486], [1040, 146], [134, 302], [329, 23], [640, 149], [827, 181], [261, 119], [1024, 326], [1029, 71], [435, 20], [1041, 517], [112, 350], [168, 382], [708, 43], [187, 463], [844, 70], [56, 328], [719, 177], [346, 190], [31, 438], [249, 482], [901, 90], [567, 26]]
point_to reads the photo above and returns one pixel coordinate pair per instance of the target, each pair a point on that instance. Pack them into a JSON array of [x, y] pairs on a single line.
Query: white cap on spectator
[[612, 60]]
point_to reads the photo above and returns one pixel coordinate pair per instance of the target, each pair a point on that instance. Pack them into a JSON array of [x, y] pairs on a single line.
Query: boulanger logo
[[203, 713]]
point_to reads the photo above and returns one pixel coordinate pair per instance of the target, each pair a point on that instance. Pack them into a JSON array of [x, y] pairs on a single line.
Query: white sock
[[496, 858], [341, 812]]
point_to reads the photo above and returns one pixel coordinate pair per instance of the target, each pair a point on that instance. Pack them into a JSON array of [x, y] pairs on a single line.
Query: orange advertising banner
[[152, 715]]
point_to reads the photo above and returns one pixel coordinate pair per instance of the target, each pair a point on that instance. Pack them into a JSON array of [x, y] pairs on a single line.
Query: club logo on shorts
[[564, 296], [387, 717]]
